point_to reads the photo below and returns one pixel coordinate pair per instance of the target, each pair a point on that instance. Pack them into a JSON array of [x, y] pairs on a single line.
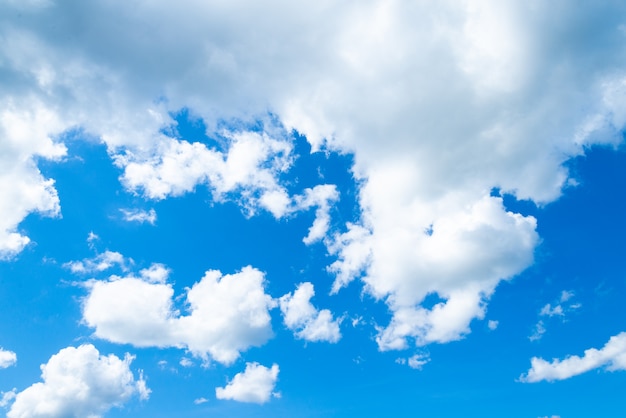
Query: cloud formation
[[225, 314], [139, 216], [612, 356], [79, 382], [255, 384], [7, 358], [440, 103], [307, 322]]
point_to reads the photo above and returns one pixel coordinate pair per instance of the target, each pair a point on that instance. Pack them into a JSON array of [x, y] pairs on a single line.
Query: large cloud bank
[[441, 103]]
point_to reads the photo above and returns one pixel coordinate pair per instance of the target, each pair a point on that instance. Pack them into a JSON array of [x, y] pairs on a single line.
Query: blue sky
[[371, 208]]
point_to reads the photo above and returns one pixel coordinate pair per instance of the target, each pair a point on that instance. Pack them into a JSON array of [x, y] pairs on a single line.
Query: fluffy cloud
[[612, 356], [79, 382], [7, 358], [255, 384], [226, 314], [304, 319], [440, 103]]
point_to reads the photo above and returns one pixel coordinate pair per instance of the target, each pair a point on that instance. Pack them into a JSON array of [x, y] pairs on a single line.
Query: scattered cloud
[[226, 314], [6, 398], [7, 358], [557, 309], [200, 401], [255, 384], [417, 361], [304, 319], [99, 263], [79, 381], [492, 325], [612, 356], [139, 215]]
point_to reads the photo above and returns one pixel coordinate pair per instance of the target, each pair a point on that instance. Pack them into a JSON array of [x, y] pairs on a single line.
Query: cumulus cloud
[[304, 319], [79, 382], [439, 102], [612, 356], [225, 314], [7, 358], [255, 384], [139, 216]]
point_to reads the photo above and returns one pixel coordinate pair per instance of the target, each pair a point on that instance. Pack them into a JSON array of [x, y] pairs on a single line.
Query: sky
[[313, 209]]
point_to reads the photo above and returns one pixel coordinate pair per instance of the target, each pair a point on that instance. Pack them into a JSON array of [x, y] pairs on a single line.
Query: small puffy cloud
[[6, 398], [200, 401], [417, 361], [492, 325], [538, 331], [225, 314], [7, 358], [79, 382], [99, 263], [139, 216], [304, 319], [612, 356], [255, 384]]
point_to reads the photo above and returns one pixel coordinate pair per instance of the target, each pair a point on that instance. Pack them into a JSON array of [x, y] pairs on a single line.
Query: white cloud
[[79, 382], [559, 310], [417, 361], [140, 216], [321, 196], [255, 384], [6, 398], [7, 358], [440, 102], [304, 319], [200, 401], [226, 314], [99, 263], [492, 325], [612, 356]]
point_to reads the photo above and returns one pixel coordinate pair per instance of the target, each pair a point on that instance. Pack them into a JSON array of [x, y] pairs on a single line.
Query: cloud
[[492, 325], [225, 314], [7, 358], [612, 356], [439, 103], [559, 310], [140, 216], [304, 319], [79, 381], [99, 263], [6, 398], [255, 384]]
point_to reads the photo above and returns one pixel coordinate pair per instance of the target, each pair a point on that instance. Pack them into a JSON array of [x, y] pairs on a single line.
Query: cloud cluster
[[612, 356], [440, 102], [139, 216], [224, 314], [99, 263], [305, 320], [255, 384], [79, 382]]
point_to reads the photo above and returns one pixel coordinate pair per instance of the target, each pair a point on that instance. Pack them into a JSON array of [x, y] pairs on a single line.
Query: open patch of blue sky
[[375, 208]]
